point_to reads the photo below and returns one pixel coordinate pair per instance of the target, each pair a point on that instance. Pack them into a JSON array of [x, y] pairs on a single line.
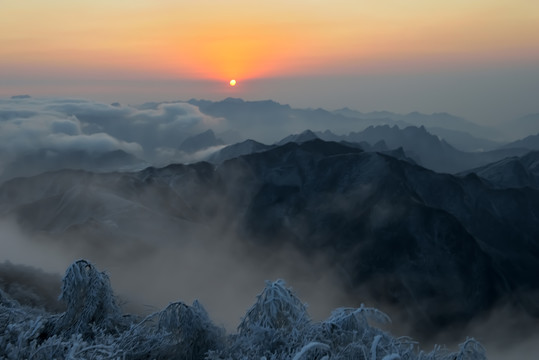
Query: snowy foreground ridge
[[277, 326]]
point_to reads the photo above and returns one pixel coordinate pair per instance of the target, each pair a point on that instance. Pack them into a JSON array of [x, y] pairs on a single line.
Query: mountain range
[[416, 143], [41, 135], [267, 121], [512, 172], [436, 120], [530, 142], [442, 247], [44, 160]]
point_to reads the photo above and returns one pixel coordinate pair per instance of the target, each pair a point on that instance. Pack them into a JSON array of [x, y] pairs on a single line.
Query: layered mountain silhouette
[[464, 141], [267, 121], [440, 120], [429, 150], [243, 148], [307, 135], [43, 160], [417, 143], [512, 172], [413, 143], [200, 141], [444, 248], [529, 142]]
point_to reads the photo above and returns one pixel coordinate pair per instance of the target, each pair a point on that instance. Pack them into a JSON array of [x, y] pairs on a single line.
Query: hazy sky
[[474, 58]]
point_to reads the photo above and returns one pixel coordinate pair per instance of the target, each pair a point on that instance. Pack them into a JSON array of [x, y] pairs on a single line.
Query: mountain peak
[[306, 135], [234, 100]]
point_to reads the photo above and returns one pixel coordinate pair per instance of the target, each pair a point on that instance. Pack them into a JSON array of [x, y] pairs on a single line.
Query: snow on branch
[[276, 327]]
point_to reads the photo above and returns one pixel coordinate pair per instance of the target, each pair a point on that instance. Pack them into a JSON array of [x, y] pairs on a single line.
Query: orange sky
[[301, 52], [245, 39]]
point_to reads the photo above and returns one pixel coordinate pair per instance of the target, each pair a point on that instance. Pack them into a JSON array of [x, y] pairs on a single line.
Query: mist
[[38, 135], [153, 259], [49, 134], [225, 274], [220, 271]]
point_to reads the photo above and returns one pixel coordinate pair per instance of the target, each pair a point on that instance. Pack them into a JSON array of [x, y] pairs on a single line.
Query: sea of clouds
[[49, 128]]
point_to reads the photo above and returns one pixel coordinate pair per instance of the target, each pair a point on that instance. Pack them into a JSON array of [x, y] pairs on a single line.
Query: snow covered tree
[[90, 301], [276, 327], [272, 328]]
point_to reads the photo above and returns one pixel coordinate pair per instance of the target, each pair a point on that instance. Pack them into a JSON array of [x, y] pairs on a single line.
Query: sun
[[232, 82]]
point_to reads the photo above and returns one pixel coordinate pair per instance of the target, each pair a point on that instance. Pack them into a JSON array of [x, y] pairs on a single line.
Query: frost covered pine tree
[[90, 302], [276, 327]]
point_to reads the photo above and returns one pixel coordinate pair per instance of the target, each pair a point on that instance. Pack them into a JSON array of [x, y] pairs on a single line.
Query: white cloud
[[94, 143], [19, 136], [29, 125], [65, 126], [46, 134]]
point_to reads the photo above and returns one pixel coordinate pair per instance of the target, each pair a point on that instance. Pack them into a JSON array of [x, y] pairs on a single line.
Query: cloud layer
[[43, 130]]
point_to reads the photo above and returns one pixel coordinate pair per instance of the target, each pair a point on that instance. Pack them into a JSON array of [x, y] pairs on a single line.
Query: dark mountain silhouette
[[415, 144], [200, 141], [464, 141], [424, 148], [530, 143], [436, 120], [443, 248], [307, 135], [235, 150], [511, 172], [268, 121], [379, 146]]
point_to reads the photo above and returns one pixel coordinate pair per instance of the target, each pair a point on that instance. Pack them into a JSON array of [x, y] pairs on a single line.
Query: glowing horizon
[[61, 46], [240, 40]]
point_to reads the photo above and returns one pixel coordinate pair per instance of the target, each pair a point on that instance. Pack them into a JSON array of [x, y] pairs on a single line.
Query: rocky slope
[[442, 247]]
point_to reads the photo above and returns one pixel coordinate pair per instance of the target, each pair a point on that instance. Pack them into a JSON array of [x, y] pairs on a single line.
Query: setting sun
[[232, 82]]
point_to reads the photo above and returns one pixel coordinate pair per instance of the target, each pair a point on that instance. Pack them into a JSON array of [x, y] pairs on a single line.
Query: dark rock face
[[440, 246], [404, 233]]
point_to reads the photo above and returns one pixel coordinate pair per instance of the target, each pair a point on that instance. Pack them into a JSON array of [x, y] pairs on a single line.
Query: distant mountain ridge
[[435, 120], [530, 142], [416, 143], [74, 133], [512, 172], [260, 119], [236, 150], [306, 135], [423, 147], [200, 141]]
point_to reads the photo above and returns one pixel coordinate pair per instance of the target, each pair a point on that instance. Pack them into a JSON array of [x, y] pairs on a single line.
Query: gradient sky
[[474, 58]]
